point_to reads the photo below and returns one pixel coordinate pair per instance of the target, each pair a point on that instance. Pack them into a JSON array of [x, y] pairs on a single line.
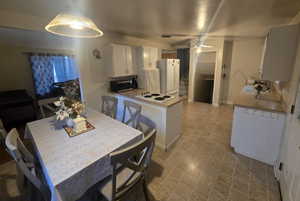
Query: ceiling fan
[[179, 35], [186, 35]]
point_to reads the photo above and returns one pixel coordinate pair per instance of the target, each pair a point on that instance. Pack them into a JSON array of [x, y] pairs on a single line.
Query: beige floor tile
[[235, 195]]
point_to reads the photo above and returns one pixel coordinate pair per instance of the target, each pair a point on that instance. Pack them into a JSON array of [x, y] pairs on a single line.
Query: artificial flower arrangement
[[68, 108], [261, 86]]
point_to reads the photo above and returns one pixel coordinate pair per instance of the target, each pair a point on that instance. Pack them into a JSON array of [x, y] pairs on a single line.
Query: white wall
[[92, 71], [226, 70], [15, 69], [245, 62]]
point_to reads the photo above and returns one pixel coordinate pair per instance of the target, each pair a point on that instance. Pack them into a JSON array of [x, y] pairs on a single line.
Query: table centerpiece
[[70, 111]]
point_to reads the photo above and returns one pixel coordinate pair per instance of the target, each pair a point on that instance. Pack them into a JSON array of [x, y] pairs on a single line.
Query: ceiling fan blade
[[178, 35]]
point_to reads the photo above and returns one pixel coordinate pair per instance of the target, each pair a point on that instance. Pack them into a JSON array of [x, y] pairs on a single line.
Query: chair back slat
[[48, 105], [109, 106], [133, 111], [145, 125], [25, 162], [134, 158]]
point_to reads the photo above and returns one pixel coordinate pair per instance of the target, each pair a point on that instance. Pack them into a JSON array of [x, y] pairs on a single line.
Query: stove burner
[[155, 94], [148, 96], [160, 98], [167, 96]]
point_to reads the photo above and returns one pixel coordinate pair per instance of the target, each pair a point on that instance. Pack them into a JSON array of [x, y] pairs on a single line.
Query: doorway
[[183, 54], [204, 77]]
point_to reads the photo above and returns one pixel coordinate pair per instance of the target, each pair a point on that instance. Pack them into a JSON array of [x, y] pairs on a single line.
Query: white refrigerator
[[169, 76]]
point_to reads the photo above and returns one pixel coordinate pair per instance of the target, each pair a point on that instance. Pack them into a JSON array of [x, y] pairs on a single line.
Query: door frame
[[194, 52]]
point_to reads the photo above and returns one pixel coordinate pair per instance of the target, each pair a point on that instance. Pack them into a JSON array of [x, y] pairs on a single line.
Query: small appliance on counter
[[123, 84]]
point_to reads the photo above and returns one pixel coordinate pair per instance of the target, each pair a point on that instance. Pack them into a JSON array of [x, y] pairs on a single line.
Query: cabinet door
[[279, 54], [128, 61], [122, 61], [153, 57], [118, 60], [147, 55]]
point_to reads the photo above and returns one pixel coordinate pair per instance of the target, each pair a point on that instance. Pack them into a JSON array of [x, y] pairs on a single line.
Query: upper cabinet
[[119, 60], [279, 53], [147, 57]]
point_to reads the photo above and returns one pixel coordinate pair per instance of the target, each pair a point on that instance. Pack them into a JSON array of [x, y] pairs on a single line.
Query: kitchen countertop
[[133, 93], [271, 103]]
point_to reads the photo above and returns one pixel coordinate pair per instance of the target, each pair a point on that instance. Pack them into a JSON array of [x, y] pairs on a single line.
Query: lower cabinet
[[168, 120], [257, 133]]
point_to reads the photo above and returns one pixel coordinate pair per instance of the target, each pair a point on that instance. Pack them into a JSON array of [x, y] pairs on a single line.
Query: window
[[54, 75], [64, 68]]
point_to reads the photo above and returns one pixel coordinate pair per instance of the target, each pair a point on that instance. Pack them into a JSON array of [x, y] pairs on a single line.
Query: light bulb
[[76, 25]]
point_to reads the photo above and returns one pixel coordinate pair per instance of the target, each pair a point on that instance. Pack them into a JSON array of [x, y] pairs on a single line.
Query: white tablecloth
[[73, 164]]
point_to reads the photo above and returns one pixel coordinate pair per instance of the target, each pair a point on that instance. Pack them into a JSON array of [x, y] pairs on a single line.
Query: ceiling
[[152, 18]]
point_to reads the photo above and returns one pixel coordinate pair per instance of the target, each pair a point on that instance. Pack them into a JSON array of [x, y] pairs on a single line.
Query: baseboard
[[166, 147], [228, 102], [161, 146], [215, 104], [172, 142]]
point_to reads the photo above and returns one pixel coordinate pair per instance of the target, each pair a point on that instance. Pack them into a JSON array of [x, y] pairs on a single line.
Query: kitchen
[[139, 74], [237, 147]]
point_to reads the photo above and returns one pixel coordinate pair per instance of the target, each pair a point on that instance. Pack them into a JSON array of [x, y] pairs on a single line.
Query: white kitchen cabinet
[[279, 53], [168, 120], [147, 57], [119, 60], [257, 133]]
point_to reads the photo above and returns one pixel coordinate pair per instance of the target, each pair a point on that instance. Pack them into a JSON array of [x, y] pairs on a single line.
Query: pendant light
[[75, 26]]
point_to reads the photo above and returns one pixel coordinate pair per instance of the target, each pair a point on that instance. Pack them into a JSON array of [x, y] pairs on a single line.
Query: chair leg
[[145, 189]]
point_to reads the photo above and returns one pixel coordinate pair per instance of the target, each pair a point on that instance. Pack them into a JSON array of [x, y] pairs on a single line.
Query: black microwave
[[123, 84]]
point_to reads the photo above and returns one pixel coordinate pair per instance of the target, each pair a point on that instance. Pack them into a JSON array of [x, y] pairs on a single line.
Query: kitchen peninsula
[[258, 125], [166, 114]]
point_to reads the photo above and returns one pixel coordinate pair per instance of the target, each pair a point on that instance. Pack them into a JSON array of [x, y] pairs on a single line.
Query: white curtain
[[64, 68]]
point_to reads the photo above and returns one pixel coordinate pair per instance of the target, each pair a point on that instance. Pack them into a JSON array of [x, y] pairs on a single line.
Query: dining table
[[72, 165]]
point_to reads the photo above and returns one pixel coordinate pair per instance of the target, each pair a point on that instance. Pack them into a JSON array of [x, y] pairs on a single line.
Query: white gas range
[[155, 97]]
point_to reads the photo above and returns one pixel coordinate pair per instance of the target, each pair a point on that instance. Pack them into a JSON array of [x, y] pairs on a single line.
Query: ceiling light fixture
[[73, 26]]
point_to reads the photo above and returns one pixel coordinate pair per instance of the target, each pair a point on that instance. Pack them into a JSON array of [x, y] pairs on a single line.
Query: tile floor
[[200, 167]]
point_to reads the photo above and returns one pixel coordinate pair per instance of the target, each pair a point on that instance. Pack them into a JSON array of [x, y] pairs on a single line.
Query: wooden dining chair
[[109, 106], [28, 176], [133, 172], [46, 105], [145, 125], [131, 113]]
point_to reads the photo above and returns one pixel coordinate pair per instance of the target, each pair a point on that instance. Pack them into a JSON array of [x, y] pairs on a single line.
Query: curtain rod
[[48, 54]]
